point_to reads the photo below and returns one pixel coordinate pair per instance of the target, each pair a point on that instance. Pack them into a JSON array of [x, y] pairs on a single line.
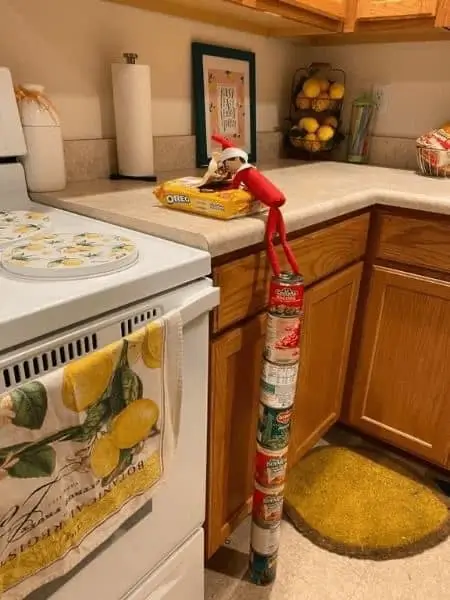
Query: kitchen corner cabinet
[[329, 314], [402, 381]]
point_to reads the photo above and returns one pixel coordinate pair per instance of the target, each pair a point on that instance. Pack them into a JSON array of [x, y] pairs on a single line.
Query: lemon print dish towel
[[82, 448]]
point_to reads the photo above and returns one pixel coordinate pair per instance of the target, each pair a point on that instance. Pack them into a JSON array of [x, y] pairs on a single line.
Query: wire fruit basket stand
[[313, 127]]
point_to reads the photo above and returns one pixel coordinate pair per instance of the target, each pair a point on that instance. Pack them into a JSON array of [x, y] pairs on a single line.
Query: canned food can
[[265, 540], [273, 427], [283, 339], [267, 505], [278, 384], [270, 466], [286, 293], [263, 569]]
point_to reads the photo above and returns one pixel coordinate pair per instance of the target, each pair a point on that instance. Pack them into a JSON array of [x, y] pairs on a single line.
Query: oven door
[[177, 509]]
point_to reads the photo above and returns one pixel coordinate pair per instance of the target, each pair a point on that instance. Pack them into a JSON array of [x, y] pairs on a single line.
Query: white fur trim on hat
[[233, 153]]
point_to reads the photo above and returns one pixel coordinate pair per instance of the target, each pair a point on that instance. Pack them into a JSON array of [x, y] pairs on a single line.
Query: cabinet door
[[328, 8], [329, 314], [234, 398], [394, 9], [402, 384]]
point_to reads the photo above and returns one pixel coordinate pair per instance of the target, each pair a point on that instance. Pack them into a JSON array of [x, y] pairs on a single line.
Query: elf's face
[[233, 164]]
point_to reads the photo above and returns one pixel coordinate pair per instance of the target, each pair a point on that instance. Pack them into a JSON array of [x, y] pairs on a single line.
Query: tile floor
[[306, 572]]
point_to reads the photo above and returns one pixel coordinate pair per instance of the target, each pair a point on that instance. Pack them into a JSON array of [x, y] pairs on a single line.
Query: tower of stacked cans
[[278, 385]]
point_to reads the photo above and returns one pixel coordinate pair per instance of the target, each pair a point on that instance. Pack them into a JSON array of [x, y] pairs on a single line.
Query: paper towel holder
[[131, 58]]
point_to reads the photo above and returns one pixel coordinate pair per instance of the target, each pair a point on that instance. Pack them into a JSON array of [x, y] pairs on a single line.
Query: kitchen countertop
[[315, 192]]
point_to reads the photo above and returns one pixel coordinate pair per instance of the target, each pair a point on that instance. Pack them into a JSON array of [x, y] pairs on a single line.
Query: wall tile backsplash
[[94, 159]]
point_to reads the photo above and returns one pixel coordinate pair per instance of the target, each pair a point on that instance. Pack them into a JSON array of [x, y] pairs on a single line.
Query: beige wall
[[414, 79], [68, 46]]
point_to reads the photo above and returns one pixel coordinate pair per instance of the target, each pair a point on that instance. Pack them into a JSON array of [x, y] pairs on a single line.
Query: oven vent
[[42, 363], [139, 320]]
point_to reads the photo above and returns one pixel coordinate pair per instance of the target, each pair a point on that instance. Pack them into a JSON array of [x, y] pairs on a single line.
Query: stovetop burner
[[71, 255]]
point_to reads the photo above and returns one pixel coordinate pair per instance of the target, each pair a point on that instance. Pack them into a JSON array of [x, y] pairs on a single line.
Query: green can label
[[273, 427]]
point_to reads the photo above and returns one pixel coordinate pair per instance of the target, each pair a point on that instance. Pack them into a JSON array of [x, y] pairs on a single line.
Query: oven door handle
[[199, 304]]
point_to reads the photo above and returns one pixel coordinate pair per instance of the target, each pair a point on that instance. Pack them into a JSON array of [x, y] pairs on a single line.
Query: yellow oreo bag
[[189, 195]]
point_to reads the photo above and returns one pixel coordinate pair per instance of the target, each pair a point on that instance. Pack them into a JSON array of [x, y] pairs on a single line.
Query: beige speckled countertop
[[315, 193]]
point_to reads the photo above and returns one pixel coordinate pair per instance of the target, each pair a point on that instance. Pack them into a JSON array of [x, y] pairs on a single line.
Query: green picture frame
[[227, 103]]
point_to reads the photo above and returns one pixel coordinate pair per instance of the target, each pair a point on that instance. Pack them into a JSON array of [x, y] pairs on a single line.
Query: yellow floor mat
[[363, 504]]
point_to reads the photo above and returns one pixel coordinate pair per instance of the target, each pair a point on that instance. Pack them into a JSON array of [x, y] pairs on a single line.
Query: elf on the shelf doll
[[246, 176]]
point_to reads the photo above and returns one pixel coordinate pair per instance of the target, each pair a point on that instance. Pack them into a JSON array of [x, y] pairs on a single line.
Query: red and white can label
[[286, 295], [270, 466], [278, 383], [265, 540], [283, 339], [267, 505]]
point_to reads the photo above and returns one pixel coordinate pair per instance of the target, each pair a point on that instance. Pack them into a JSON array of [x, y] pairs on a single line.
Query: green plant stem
[[60, 436]]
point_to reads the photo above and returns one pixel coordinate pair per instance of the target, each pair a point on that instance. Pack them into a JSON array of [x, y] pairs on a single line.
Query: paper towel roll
[[133, 116]]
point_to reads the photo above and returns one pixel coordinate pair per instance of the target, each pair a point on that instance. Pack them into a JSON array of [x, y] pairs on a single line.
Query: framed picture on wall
[[224, 98]]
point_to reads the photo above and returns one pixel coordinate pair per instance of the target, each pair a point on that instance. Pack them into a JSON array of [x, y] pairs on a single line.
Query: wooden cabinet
[[402, 382], [234, 395], [233, 415], [330, 8], [329, 315], [395, 9]]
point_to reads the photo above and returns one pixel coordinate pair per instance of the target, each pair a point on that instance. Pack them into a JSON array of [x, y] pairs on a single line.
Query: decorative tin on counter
[[271, 465], [278, 383], [263, 569]]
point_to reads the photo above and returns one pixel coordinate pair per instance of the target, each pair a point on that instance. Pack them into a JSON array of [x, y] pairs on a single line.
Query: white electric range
[[50, 318]]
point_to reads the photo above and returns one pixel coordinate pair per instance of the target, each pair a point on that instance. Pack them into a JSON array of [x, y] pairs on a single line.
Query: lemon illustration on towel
[[152, 346], [104, 457], [134, 423], [85, 380]]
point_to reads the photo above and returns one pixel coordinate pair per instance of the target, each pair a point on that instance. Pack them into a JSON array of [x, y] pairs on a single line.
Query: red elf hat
[[229, 150]]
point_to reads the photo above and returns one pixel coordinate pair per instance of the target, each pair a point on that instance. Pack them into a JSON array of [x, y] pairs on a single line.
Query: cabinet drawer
[[244, 282], [419, 242]]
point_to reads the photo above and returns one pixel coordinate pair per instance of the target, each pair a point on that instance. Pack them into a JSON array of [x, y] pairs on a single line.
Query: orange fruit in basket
[[302, 102], [321, 103], [311, 142]]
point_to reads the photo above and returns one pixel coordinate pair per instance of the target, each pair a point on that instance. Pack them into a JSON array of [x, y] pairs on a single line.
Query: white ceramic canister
[[44, 164]]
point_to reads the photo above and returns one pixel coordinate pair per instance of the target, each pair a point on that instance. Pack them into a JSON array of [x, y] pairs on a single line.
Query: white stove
[[70, 285], [160, 265]]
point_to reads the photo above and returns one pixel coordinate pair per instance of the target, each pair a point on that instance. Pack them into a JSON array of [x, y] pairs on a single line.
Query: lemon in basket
[[104, 456], [321, 103], [134, 423], [337, 91], [311, 142], [325, 133], [311, 88], [309, 124]]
